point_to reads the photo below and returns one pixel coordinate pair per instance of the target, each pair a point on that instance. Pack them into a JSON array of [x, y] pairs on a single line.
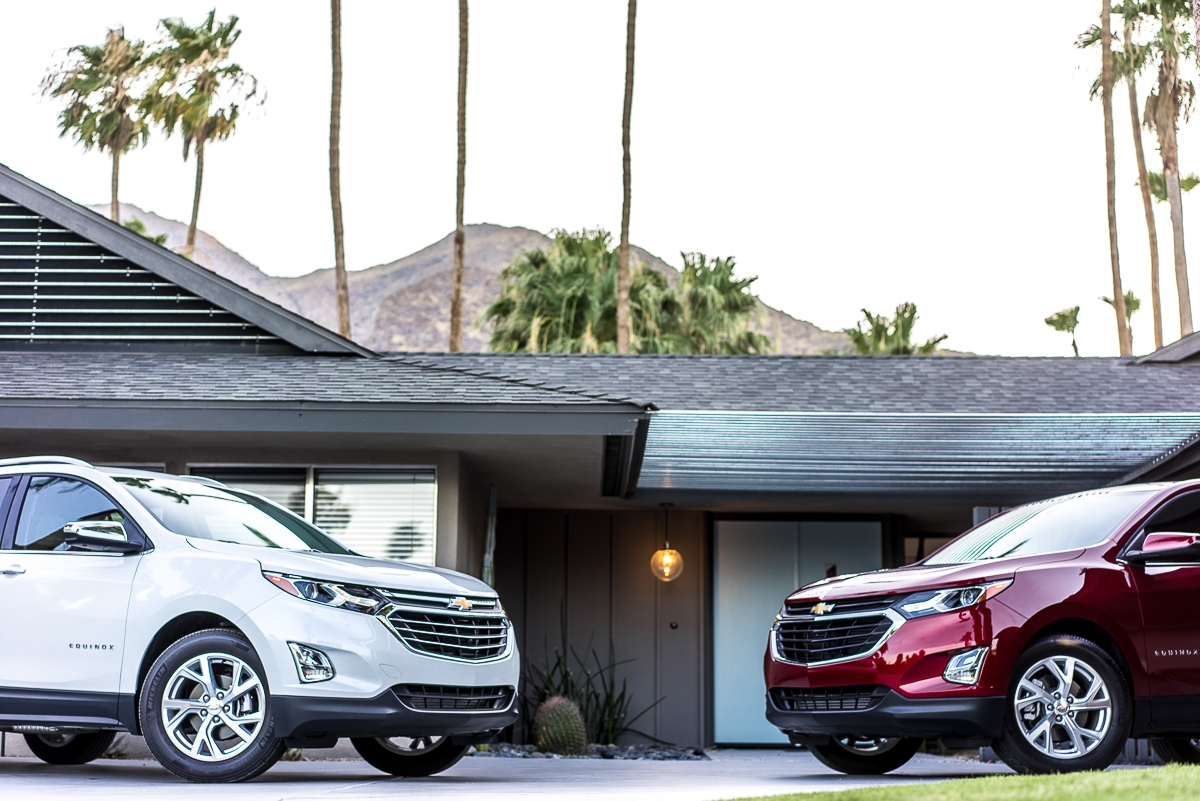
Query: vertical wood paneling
[[680, 649], [596, 565], [634, 599], [589, 583], [510, 569], [545, 585]]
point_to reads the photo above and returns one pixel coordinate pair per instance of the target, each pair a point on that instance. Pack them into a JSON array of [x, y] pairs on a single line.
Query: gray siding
[[590, 570]]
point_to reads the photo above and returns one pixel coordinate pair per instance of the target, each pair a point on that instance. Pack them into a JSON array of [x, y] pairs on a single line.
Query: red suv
[[1052, 632]]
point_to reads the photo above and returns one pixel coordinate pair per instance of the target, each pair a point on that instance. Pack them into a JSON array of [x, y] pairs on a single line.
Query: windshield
[[1059, 524], [212, 513]]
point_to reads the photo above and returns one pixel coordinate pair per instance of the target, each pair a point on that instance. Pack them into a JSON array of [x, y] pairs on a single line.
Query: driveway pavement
[[729, 774]]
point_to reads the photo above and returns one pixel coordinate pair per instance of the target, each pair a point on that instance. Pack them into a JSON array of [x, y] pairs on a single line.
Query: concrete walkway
[[729, 774]]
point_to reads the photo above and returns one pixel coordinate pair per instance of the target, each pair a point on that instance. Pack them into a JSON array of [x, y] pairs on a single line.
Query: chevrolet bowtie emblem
[[461, 604], [821, 608]]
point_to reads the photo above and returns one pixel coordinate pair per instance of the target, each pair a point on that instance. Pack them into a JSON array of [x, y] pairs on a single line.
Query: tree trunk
[[1106, 82], [341, 284], [114, 210], [624, 323], [191, 236], [1148, 207], [460, 186], [1171, 177]]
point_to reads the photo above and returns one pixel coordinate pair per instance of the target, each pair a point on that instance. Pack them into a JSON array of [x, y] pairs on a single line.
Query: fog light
[[965, 668], [311, 664]]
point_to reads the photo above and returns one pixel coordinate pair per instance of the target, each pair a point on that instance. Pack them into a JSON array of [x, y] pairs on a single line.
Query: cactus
[[559, 727]]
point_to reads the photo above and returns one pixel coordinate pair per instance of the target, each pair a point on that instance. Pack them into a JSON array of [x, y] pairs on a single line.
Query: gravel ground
[[659, 752]]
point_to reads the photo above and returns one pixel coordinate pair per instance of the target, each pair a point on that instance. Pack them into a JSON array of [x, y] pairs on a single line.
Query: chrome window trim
[[891, 614]]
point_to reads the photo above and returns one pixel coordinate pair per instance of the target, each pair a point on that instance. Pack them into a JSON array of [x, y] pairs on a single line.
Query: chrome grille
[[828, 639], [468, 637], [875, 603], [827, 699], [431, 698]]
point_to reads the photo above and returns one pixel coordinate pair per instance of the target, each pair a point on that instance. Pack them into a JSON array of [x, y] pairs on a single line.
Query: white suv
[[225, 629]]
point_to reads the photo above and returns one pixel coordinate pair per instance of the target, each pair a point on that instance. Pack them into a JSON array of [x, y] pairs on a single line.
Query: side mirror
[[99, 535], [1167, 546]]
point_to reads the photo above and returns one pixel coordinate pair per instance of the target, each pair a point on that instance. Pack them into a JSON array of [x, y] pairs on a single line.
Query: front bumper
[[315, 717], [897, 716]]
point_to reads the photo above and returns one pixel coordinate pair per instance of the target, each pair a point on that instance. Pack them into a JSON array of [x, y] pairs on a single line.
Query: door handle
[[12, 570]]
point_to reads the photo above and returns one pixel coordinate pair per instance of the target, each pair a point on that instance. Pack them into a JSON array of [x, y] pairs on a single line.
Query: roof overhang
[[946, 457]]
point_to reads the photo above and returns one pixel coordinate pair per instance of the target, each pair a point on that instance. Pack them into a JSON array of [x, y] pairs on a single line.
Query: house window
[[388, 514]]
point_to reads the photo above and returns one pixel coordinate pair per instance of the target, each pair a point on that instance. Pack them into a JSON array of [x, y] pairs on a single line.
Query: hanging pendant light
[[667, 563]]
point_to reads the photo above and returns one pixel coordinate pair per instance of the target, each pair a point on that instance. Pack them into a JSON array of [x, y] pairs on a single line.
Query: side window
[[53, 501], [1180, 514]]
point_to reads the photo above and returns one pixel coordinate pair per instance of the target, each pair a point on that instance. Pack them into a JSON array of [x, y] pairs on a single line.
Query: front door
[[63, 610], [1170, 599], [758, 563]]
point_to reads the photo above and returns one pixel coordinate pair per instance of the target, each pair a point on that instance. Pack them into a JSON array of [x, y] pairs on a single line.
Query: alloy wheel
[[410, 746], [213, 707], [1063, 707]]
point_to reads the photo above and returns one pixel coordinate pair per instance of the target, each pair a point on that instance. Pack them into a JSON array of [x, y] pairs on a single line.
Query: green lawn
[[1173, 783]]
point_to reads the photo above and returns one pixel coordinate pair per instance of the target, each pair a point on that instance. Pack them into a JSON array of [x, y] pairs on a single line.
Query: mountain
[[404, 305]]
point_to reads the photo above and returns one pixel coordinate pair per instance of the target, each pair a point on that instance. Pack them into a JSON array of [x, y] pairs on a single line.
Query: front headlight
[[327, 593], [933, 602]]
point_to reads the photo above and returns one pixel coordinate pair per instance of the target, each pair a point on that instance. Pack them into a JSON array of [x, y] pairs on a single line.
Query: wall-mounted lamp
[[666, 564]]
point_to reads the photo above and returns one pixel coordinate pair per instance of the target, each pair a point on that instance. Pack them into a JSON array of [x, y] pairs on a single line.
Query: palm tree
[[884, 335], [1128, 63], [1066, 321], [195, 72], [624, 327], [715, 308], [1171, 97], [1110, 164], [341, 285], [102, 111], [139, 228], [459, 231], [562, 299], [1132, 305]]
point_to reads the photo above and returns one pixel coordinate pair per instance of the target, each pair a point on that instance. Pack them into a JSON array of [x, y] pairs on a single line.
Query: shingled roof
[[851, 384], [227, 377]]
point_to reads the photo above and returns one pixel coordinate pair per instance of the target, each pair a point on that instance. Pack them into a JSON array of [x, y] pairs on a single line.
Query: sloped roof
[[207, 377], [119, 242], [852, 384], [990, 430]]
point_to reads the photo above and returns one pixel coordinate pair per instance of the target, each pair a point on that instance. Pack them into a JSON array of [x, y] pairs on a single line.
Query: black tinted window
[[1179, 514], [53, 501]]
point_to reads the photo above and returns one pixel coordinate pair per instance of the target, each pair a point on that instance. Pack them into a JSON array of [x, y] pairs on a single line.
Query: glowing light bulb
[[666, 564]]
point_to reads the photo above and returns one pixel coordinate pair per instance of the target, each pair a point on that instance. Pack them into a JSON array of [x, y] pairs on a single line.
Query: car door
[[1169, 593], [63, 610]]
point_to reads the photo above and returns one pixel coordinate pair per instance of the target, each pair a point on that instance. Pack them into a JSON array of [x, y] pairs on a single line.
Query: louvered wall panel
[[57, 287]]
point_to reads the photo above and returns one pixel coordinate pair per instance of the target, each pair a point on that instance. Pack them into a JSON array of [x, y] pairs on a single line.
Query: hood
[[915, 578], [352, 569]]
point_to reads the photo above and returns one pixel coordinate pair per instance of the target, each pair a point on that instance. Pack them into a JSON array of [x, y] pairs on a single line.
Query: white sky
[[951, 157]]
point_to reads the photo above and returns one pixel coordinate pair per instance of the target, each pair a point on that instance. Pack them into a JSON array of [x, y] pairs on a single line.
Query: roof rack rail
[[20, 460]]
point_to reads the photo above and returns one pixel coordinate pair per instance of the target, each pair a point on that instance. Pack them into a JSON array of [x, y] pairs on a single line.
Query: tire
[[1182, 750], [1057, 734], [866, 756], [70, 749], [177, 702], [409, 756]]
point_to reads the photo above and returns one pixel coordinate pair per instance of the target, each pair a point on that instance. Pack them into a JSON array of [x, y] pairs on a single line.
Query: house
[[763, 472]]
